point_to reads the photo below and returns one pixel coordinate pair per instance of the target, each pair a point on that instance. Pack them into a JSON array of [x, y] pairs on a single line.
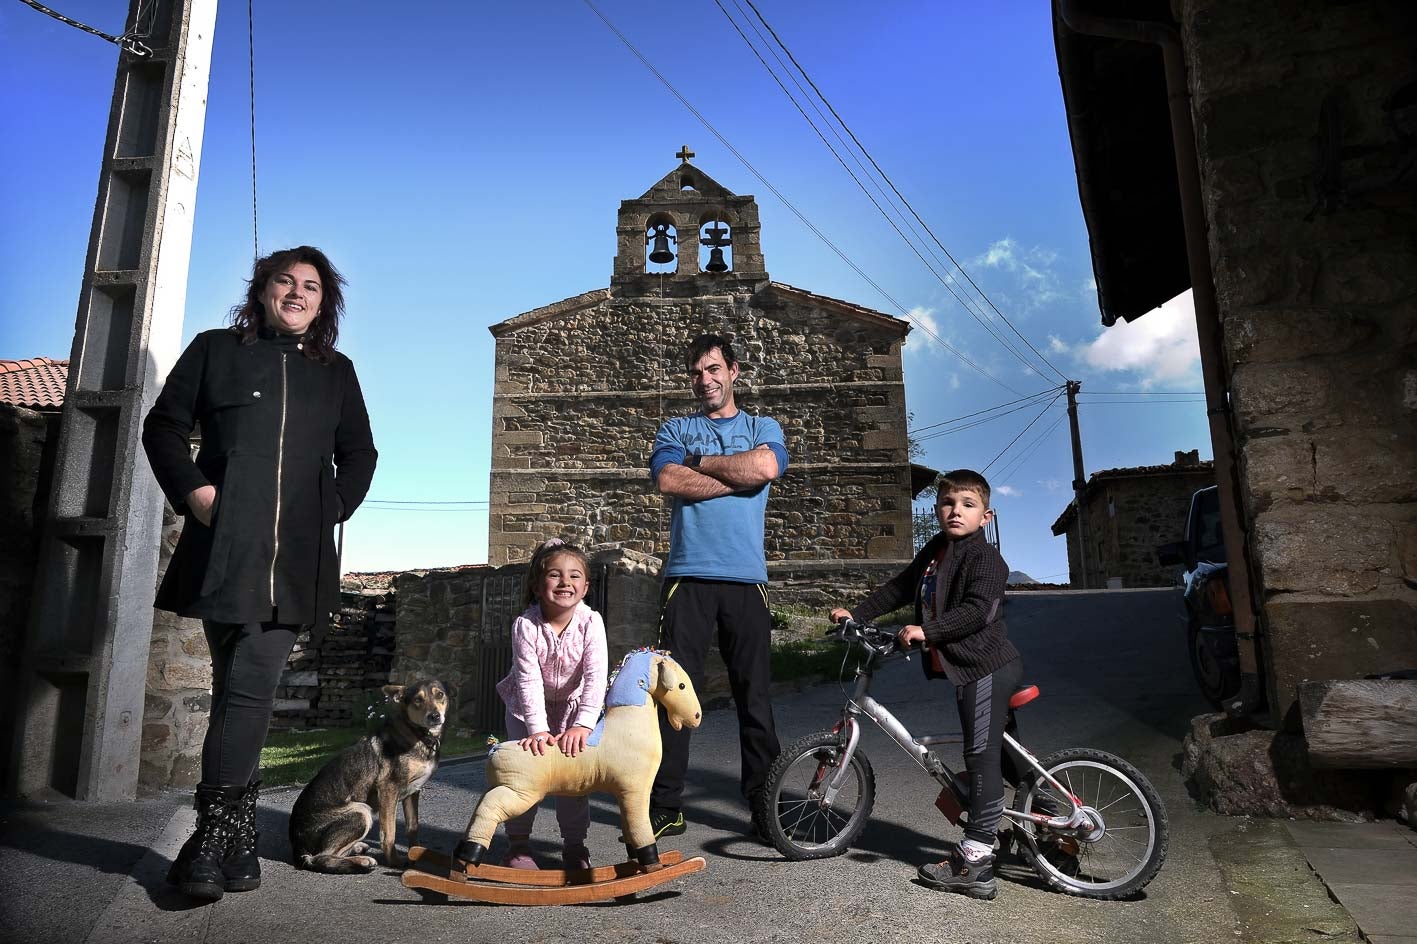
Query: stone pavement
[[1371, 869]]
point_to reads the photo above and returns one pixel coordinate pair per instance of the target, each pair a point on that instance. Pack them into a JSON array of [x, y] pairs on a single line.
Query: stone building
[[1130, 512], [1262, 154], [583, 383], [31, 393]]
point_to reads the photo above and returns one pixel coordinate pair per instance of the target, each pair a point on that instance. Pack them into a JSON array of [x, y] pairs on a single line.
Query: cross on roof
[[684, 154]]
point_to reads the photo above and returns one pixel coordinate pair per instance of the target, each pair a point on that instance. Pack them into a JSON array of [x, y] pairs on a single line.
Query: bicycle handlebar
[[883, 641]]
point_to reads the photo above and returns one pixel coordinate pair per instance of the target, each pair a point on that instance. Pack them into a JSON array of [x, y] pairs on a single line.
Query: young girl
[[556, 688]]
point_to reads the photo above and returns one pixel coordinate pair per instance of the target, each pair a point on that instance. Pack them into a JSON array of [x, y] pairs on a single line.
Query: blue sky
[[463, 162]]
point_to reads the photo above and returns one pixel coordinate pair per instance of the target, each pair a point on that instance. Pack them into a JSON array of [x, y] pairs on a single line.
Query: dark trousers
[[247, 662], [983, 712], [693, 613]]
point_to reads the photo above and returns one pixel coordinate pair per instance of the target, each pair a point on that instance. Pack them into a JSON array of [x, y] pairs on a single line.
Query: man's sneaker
[[958, 874], [664, 822]]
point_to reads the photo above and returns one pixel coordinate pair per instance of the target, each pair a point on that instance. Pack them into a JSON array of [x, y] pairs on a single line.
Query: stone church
[[583, 383]]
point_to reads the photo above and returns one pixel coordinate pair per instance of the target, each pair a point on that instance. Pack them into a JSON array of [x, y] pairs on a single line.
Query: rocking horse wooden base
[[504, 886]]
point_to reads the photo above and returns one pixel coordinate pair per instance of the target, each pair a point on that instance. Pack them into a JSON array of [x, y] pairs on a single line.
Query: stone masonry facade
[[1129, 513], [582, 385], [1313, 245]]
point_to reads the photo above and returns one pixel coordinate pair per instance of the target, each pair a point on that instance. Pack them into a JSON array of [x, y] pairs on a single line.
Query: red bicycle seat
[[1023, 696]]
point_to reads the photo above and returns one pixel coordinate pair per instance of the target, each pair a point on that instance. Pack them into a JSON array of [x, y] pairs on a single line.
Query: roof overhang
[[921, 477], [1114, 93]]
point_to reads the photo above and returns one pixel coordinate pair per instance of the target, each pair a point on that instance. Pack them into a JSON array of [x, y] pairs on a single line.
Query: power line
[[1146, 393], [897, 192], [1016, 463], [396, 501], [251, 66], [1036, 396], [987, 419], [787, 203], [1020, 434], [131, 41], [1090, 401], [857, 180]]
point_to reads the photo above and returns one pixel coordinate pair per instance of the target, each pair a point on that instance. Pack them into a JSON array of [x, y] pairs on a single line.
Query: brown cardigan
[[970, 633]]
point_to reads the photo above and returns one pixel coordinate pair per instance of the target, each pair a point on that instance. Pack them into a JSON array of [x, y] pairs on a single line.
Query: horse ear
[[668, 674]]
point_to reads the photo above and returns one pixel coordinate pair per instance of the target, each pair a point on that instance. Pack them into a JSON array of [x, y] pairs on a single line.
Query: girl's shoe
[[958, 874], [519, 855], [575, 856]]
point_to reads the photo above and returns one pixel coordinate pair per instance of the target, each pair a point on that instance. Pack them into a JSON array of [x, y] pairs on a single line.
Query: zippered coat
[[286, 443], [967, 630]]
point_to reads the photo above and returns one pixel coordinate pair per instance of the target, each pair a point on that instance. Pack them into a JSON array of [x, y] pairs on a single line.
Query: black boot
[[197, 869], [241, 866]]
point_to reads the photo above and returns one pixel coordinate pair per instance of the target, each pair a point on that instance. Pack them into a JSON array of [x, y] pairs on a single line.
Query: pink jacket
[[557, 682]]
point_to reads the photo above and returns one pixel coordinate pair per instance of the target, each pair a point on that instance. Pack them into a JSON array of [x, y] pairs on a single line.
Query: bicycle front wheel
[[1125, 851], [793, 809]]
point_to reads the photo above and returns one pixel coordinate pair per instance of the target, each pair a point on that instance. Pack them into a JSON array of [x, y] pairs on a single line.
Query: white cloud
[[1032, 268], [918, 341], [1057, 345], [1008, 490], [954, 381], [1160, 347], [1052, 485], [1088, 289]]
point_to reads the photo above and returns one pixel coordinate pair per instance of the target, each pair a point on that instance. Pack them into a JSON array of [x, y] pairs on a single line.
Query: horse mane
[[630, 682]]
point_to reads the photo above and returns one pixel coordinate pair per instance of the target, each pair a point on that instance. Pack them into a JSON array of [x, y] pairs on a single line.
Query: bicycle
[[1086, 821]]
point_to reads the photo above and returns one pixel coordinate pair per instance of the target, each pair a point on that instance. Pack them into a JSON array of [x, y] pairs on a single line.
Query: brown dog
[[335, 811]]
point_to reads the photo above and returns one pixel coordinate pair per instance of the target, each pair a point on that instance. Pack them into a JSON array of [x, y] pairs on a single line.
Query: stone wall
[[335, 684], [27, 442], [450, 621], [1130, 512], [178, 699], [455, 625], [582, 386], [1314, 252]]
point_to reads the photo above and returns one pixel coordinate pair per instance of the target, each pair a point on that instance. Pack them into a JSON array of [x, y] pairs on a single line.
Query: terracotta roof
[[36, 383]]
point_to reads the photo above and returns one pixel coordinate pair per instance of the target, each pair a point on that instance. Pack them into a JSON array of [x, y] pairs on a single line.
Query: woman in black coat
[[286, 454]]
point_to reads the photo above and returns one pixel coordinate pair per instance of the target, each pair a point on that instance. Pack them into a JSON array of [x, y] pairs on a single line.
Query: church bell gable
[[687, 235]]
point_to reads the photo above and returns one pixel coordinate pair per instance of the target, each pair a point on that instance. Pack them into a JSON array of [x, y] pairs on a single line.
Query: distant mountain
[[1018, 576]]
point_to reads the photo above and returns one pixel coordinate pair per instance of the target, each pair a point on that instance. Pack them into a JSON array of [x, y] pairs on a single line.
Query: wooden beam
[[1370, 723]]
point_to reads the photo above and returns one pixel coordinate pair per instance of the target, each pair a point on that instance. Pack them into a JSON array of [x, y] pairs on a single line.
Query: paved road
[[1112, 668]]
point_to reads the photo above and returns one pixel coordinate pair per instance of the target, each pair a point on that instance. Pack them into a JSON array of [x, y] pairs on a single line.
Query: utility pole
[[1079, 479], [83, 670]]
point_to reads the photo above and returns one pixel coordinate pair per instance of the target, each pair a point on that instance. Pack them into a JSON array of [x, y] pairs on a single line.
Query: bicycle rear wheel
[[1119, 858], [791, 808]]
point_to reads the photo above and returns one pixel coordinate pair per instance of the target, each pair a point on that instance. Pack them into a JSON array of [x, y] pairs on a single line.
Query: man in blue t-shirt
[[718, 466]]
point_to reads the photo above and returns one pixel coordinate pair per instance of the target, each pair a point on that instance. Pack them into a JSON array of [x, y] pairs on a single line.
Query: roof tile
[[36, 383]]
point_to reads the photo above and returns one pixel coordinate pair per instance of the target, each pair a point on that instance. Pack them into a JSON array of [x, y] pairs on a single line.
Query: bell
[[661, 252], [716, 263]]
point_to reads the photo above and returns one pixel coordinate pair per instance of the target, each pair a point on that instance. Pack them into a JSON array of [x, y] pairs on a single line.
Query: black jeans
[[247, 662], [692, 613], [983, 713]]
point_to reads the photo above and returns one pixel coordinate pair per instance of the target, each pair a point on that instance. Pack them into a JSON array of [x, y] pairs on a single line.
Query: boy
[[957, 584]]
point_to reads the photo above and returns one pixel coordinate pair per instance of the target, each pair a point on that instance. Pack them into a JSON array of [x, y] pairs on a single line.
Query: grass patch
[[296, 756], [806, 658]]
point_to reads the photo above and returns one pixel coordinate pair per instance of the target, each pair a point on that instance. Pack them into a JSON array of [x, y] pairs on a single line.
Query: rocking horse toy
[[621, 758]]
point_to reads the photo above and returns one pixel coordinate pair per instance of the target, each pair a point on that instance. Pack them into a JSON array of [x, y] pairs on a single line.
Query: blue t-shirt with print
[[718, 538]]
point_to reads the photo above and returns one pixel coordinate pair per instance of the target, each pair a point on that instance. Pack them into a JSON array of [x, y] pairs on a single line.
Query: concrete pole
[[1079, 479], [84, 666]]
